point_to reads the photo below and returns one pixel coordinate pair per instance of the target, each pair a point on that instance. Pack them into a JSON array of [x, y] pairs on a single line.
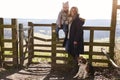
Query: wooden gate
[[8, 43]]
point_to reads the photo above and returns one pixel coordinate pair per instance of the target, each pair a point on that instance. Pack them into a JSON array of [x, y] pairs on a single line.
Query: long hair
[[75, 9]]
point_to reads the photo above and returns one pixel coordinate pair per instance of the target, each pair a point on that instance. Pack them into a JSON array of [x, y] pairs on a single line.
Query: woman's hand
[[75, 43]]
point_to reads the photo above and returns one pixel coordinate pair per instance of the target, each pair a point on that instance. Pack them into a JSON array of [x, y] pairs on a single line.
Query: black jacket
[[76, 34]]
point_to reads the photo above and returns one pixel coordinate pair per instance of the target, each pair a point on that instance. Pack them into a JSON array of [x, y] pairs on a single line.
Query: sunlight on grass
[[60, 62], [99, 57], [8, 52], [42, 53], [98, 48], [36, 59], [8, 45], [86, 48], [8, 59], [61, 55], [85, 56], [100, 64]]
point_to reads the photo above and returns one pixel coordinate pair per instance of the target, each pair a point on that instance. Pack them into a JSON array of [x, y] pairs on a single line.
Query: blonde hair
[[75, 8]]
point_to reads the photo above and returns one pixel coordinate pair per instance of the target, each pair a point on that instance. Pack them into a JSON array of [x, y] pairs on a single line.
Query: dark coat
[[76, 34]]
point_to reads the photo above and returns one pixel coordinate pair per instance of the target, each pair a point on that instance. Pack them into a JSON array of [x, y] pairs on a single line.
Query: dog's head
[[82, 60]]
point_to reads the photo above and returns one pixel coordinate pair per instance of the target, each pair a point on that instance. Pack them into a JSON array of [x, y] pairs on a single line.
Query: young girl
[[62, 20]]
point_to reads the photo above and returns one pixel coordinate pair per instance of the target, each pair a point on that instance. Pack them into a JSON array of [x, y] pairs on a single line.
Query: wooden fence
[[51, 50], [12, 38], [20, 53]]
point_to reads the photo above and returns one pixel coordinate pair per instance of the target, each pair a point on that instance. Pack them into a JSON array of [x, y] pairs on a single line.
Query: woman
[[74, 41]]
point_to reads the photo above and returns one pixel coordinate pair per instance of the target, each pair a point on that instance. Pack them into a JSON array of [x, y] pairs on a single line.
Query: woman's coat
[[76, 34]]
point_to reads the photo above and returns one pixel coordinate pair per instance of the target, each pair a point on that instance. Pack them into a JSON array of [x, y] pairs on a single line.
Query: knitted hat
[[66, 4]]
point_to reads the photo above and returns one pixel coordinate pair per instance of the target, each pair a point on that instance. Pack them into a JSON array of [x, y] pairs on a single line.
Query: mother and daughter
[[71, 23]]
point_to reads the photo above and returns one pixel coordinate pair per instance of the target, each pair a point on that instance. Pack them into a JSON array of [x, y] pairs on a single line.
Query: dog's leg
[[85, 75], [76, 75], [78, 72]]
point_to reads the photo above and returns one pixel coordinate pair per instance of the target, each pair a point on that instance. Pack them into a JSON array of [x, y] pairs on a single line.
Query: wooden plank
[[1, 43], [42, 45], [53, 44], [41, 56], [100, 44], [40, 50], [25, 52], [8, 26], [9, 56], [8, 62], [59, 42], [96, 28], [98, 53], [25, 58], [97, 43], [22, 56], [86, 43], [30, 33], [8, 49], [98, 60], [91, 45], [42, 39], [61, 58], [15, 44], [45, 25], [9, 40], [113, 27]]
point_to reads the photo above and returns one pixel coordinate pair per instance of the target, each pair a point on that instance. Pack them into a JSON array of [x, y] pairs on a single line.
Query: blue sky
[[49, 9]]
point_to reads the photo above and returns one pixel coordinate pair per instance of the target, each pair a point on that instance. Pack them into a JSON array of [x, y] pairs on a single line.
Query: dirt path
[[44, 72]]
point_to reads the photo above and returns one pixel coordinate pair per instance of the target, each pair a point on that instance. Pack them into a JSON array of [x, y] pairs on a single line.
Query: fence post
[[21, 44], [91, 45], [113, 27], [53, 45], [1, 43], [15, 43], [30, 46]]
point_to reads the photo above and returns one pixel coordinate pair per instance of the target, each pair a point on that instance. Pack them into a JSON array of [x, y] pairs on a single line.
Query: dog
[[85, 69]]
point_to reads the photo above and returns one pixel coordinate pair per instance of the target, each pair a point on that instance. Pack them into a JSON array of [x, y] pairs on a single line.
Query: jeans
[[72, 51], [64, 27], [67, 45]]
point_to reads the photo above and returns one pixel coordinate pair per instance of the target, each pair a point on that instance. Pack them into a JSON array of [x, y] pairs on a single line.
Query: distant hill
[[47, 31]]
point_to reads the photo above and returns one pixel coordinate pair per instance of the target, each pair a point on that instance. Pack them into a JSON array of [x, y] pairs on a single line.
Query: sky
[[49, 9]]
